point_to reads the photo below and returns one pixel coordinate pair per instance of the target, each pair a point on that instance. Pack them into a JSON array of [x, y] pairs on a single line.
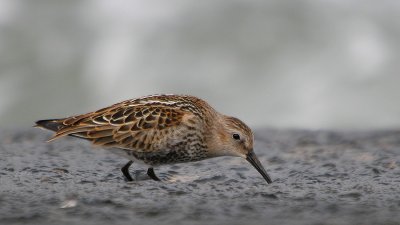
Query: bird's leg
[[152, 175], [125, 171]]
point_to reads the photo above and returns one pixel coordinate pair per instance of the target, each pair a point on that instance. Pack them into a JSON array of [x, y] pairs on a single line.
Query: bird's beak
[[252, 159]]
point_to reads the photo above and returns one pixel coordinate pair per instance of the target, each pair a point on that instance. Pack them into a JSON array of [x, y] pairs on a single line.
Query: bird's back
[[172, 126]]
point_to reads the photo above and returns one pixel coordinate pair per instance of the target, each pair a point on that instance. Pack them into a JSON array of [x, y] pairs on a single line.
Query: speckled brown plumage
[[161, 129]]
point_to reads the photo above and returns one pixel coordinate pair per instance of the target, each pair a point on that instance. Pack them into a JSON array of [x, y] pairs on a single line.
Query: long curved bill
[[253, 160]]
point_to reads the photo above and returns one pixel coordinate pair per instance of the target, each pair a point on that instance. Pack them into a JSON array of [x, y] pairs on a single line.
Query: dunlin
[[161, 129]]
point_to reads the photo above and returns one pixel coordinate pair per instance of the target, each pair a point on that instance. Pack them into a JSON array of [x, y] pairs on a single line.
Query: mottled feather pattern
[[161, 129], [139, 124]]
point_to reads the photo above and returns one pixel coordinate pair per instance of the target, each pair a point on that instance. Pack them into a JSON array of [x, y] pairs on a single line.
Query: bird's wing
[[139, 127]]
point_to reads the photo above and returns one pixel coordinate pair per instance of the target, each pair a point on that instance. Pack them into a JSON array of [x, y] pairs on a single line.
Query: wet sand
[[320, 177]]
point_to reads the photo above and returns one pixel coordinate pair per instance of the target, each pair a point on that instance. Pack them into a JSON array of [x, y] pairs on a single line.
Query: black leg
[[125, 171], [152, 175]]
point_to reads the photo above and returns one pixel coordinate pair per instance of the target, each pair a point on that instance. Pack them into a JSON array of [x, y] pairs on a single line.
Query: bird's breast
[[170, 156]]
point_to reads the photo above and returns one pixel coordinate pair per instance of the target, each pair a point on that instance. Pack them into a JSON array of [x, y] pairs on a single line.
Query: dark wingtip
[[52, 124]]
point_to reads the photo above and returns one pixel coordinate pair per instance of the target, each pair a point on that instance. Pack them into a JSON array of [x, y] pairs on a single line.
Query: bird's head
[[235, 138]]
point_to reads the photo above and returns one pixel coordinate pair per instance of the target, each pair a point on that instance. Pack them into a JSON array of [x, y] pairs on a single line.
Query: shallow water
[[320, 177]]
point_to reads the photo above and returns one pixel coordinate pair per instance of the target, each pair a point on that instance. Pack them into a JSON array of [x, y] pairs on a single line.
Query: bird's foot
[[137, 175]]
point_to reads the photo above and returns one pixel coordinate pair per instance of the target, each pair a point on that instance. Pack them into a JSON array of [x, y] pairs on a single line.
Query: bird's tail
[[51, 124]]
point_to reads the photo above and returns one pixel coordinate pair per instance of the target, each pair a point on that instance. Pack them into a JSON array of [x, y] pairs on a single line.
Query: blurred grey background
[[323, 64]]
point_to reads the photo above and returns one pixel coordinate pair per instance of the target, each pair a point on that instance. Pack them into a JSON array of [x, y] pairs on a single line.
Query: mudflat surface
[[320, 177]]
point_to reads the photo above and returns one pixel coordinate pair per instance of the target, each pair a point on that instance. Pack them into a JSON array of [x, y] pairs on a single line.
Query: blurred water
[[309, 64]]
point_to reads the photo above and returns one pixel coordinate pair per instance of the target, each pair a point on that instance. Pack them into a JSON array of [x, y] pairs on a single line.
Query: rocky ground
[[320, 177]]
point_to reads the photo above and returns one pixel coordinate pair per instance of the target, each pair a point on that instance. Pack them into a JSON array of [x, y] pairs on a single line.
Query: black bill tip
[[253, 160]]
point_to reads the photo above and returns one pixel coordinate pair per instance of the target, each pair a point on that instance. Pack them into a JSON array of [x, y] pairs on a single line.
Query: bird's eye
[[236, 137]]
